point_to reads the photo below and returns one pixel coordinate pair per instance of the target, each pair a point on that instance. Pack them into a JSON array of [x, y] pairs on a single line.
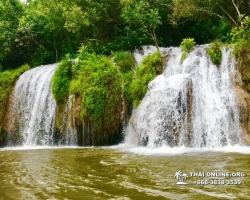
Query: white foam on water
[[18, 148], [166, 150]]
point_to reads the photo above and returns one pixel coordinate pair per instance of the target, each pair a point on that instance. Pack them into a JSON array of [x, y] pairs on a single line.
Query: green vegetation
[[103, 89], [146, 72], [240, 39], [99, 84], [44, 31], [206, 11], [124, 60], [214, 51], [61, 80], [11, 11], [7, 81], [142, 15], [126, 63], [60, 89], [187, 45]]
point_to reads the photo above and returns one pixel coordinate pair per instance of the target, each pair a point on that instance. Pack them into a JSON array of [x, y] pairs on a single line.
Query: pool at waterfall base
[[121, 172]]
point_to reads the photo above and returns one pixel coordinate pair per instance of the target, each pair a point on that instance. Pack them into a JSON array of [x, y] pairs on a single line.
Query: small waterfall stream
[[191, 104], [34, 106]]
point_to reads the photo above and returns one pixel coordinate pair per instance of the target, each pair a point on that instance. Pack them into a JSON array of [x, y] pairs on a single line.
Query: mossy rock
[[242, 53], [99, 83], [215, 53], [98, 86]]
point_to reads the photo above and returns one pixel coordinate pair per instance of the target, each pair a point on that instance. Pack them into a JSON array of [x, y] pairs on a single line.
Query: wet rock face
[[7, 123], [243, 102], [76, 109], [10, 118]]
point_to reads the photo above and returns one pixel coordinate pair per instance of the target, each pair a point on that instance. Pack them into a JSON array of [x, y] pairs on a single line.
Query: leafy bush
[[187, 45], [214, 51], [150, 68], [124, 60], [7, 81], [240, 36], [61, 80]]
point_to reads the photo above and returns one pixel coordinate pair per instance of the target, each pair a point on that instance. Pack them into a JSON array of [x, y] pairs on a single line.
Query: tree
[[230, 10], [42, 31], [11, 11], [142, 16]]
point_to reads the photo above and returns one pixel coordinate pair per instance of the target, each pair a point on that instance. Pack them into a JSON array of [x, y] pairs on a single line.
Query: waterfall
[[192, 103], [34, 106]]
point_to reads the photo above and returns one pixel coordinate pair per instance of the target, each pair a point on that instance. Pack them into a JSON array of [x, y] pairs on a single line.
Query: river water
[[121, 173]]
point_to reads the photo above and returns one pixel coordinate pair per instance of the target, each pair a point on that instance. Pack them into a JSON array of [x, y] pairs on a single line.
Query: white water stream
[[34, 106], [191, 104]]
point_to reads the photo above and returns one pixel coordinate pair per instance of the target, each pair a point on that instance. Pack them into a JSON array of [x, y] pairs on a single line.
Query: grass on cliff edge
[[7, 81]]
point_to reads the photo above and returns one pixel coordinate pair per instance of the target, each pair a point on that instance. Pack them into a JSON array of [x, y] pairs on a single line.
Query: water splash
[[191, 104], [34, 106]]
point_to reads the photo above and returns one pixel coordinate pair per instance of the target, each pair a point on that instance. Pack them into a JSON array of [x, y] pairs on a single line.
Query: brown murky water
[[116, 173]]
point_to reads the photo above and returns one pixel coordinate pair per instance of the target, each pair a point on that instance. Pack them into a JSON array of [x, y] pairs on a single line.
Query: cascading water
[[34, 106], [192, 103]]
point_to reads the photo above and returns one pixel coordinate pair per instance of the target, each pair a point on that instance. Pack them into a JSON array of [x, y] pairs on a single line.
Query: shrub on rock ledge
[[99, 84]]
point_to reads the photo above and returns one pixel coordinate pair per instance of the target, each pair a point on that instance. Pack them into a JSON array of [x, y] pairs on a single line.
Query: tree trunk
[[155, 40], [56, 54]]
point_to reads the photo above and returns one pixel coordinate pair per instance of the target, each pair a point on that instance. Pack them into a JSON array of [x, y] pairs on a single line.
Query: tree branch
[[228, 15], [238, 13], [209, 12], [183, 22], [236, 8]]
